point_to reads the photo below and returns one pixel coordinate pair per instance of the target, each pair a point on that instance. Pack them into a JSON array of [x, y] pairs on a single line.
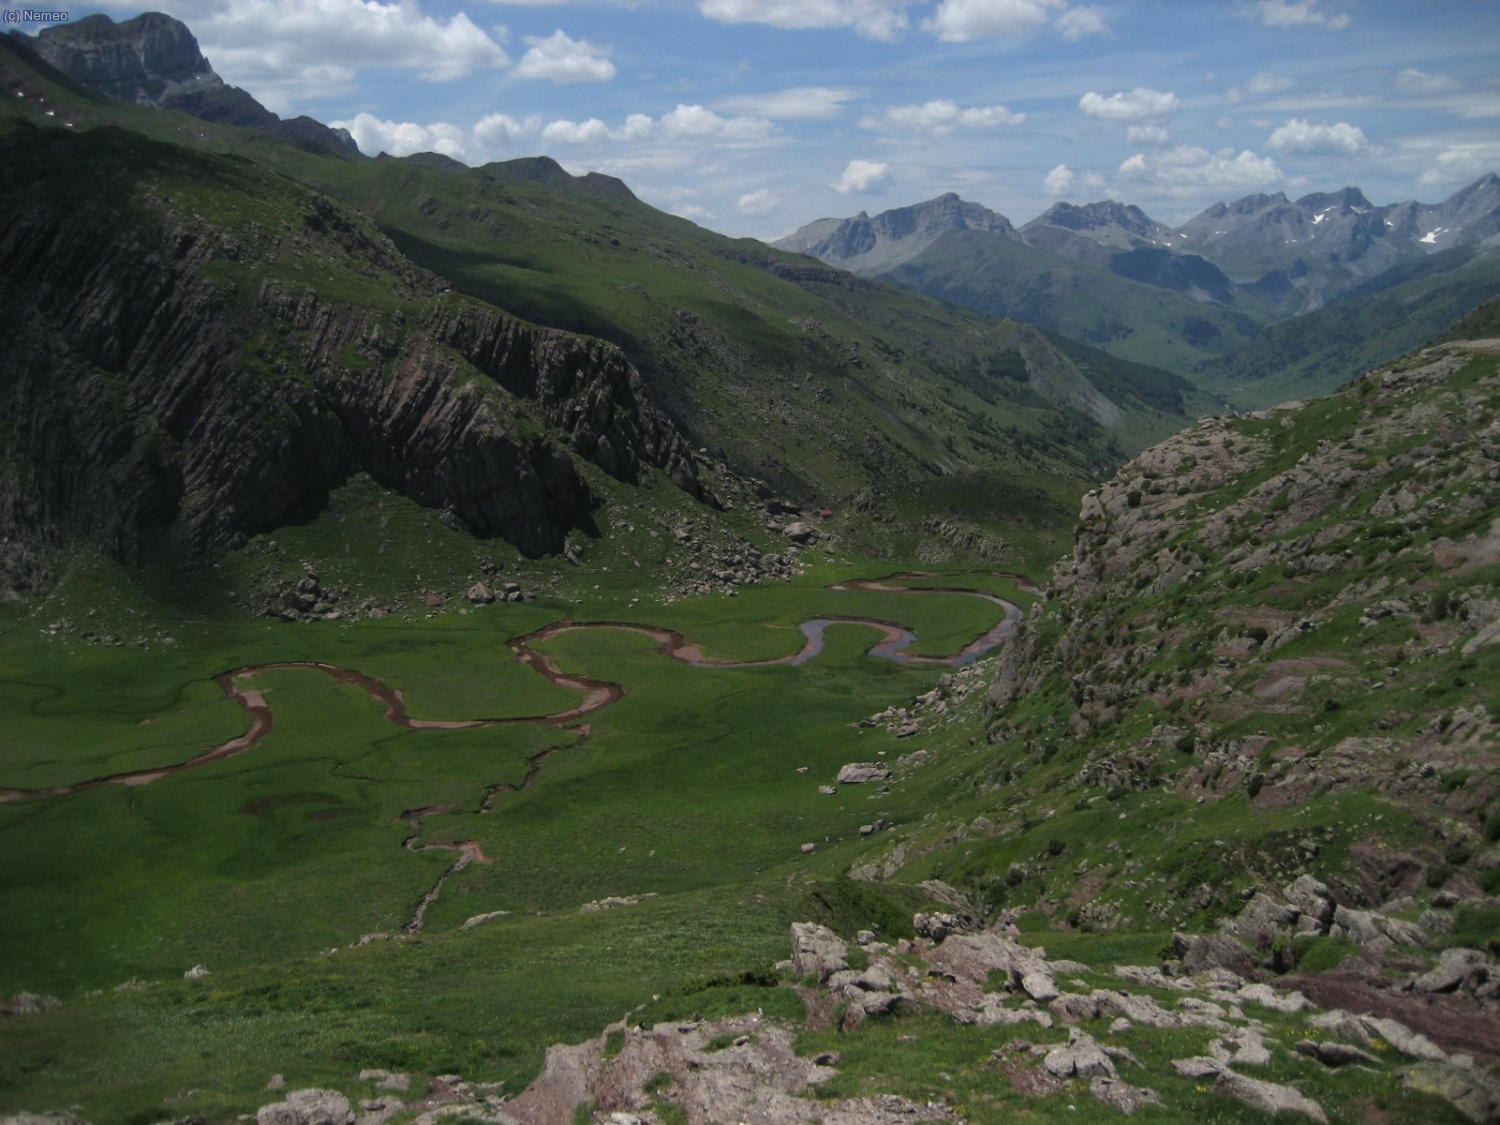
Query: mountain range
[[331, 301], [1195, 299]]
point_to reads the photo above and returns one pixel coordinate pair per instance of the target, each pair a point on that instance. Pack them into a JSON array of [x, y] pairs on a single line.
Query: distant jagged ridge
[[154, 59], [1296, 255]]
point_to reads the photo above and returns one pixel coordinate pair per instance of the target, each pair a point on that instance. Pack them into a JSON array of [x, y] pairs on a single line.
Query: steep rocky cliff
[[196, 350], [154, 59]]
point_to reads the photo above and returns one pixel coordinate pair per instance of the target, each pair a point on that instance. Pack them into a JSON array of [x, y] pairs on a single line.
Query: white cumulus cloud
[[962, 21], [958, 21], [1413, 81], [564, 60], [1080, 23], [1191, 170], [1462, 163], [862, 177], [877, 19], [1130, 106], [1297, 13], [800, 103], [637, 127], [1263, 83], [941, 117], [1058, 181], [402, 138], [1306, 138], [1153, 135], [499, 129], [758, 204], [695, 121], [287, 51]]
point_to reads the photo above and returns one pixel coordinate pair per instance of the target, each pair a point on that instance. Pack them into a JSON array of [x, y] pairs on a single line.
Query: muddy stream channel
[[596, 696]]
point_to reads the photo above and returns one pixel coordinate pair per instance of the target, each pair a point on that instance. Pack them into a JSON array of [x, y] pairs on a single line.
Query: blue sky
[[753, 117]]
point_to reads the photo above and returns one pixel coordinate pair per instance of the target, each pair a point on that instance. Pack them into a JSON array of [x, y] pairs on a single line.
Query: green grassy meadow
[[693, 793]]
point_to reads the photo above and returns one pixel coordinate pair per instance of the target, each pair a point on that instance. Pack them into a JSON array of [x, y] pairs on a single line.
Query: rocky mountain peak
[[146, 59], [1091, 215], [1343, 202], [868, 245], [1096, 231], [155, 60]]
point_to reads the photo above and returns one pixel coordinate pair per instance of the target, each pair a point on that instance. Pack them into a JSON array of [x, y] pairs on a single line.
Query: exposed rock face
[[154, 59], [147, 59], [174, 375]]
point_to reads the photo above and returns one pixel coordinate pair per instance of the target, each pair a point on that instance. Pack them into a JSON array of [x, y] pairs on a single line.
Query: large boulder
[[1080, 1057], [1313, 899], [1200, 953], [817, 951], [308, 1107], [1268, 1097], [858, 773], [1263, 920], [1455, 968]]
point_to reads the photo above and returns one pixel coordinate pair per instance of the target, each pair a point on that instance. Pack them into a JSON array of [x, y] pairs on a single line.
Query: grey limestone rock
[[1472, 1093], [1335, 1054], [1410, 1043], [1455, 969], [1269, 1097], [1121, 1095], [308, 1107], [858, 773], [1203, 952], [1080, 1057], [817, 951], [1264, 919]]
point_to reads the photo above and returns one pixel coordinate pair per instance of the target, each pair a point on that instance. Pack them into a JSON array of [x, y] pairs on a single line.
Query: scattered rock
[[29, 1003], [1410, 1043], [1268, 997], [386, 1080]]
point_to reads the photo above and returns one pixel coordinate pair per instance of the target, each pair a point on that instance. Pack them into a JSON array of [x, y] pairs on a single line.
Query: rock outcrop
[[1284, 607]]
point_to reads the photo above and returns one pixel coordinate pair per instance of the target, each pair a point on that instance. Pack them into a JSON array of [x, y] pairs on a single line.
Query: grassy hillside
[[1313, 354], [758, 362], [1140, 323]]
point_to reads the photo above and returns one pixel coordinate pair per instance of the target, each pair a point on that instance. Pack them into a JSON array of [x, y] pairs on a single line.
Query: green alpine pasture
[[692, 795]]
